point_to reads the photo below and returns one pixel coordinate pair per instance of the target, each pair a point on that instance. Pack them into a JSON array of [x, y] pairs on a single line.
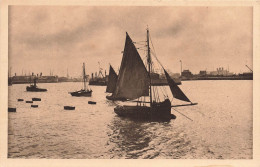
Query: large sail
[[176, 91], [112, 79], [133, 78]]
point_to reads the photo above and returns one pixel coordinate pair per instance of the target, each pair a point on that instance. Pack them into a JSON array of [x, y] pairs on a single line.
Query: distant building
[[186, 73], [220, 71], [203, 73], [40, 79]]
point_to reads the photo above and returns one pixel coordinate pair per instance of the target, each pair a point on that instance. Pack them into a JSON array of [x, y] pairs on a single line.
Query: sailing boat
[[85, 91], [111, 84], [34, 88], [134, 82]]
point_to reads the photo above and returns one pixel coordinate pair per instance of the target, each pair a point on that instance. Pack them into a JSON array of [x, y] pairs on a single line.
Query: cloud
[[63, 36]]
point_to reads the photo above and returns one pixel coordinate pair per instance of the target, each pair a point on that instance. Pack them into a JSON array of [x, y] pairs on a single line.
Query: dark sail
[[133, 78], [176, 91], [112, 79]]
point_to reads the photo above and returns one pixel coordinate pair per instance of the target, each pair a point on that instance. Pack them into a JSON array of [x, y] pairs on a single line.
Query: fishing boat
[[87, 92], [134, 84], [33, 87]]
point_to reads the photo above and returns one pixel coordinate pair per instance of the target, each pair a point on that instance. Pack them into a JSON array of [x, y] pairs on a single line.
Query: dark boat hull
[[11, 109], [81, 93], [69, 108], [36, 99], [157, 112], [35, 89], [92, 102]]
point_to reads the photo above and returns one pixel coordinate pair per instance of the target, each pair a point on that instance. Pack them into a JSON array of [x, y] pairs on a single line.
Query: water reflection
[[128, 136]]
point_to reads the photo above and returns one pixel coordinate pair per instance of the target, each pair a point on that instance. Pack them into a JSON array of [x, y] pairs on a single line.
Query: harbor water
[[219, 127]]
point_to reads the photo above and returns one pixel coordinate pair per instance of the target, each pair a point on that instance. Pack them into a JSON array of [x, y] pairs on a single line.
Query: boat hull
[[35, 89], [157, 112], [82, 93]]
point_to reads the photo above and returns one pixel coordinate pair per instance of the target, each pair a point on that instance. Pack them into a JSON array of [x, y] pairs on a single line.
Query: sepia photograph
[[130, 82]]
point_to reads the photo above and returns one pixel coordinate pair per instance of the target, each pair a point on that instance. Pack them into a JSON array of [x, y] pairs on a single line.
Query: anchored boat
[[33, 87], [87, 92], [134, 84]]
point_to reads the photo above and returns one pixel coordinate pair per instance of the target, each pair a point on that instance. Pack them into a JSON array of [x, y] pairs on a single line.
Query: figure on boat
[[86, 91], [34, 88], [134, 85]]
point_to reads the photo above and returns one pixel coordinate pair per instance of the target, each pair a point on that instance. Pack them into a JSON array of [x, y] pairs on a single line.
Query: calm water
[[221, 126]]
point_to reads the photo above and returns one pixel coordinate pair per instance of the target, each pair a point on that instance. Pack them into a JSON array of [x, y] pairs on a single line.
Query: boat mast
[[149, 66], [84, 76]]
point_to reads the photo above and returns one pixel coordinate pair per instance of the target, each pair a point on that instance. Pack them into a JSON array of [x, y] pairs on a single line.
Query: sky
[[57, 38]]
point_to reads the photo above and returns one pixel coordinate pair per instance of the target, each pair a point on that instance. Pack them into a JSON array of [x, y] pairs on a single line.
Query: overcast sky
[[44, 38]]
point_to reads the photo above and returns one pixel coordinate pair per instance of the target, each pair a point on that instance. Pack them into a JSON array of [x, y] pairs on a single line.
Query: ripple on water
[[221, 125]]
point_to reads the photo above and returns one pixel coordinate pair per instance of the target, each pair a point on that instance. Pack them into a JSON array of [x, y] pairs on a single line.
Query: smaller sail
[[112, 79], [176, 91]]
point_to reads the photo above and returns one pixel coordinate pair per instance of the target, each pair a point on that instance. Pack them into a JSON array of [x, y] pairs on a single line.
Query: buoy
[[36, 99], [19, 99], [11, 109], [92, 102], [34, 106], [69, 108], [29, 101]]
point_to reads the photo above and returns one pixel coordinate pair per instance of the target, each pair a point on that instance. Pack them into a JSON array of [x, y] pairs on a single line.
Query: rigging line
[[183, 114], [155, 53], [154, 94], [163, 92], [157, 93]]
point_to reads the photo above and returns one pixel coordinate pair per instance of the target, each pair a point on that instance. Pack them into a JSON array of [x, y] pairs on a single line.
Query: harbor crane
[[249, 68]]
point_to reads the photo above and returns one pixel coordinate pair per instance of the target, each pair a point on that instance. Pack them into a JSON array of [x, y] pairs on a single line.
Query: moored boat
[[34, 88], [134, 82], [85, 92]]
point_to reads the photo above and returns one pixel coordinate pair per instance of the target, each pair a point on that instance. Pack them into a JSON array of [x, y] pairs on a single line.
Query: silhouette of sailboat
[[87, 92], [134, 82]]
